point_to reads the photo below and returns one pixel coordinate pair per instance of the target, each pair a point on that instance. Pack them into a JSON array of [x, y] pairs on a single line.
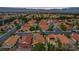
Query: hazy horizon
[[38, 7]]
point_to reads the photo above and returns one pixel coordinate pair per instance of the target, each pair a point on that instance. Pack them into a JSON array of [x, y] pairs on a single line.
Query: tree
[[63, 27], [18, 26], [23, 19], [65, 47], [68, 35], [33, 16], [50, 46], [50, 27], [39, 47], [63, 17], [32, 28], [12, 18], [42, 17], [59, 45], [35, 27]]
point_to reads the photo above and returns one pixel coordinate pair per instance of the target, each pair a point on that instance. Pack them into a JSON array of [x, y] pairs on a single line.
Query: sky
[[39, 3]]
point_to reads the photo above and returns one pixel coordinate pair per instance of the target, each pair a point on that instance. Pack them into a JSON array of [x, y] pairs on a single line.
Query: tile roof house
[[31, 22], [63, 39], [51, 38], [10, 42], [25, 41], [75, 36], [25, 27], [43, 24], [37, 38]]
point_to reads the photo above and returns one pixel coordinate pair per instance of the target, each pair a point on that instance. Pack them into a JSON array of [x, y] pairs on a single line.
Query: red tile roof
[[11, 41], [26, 26], [38, 38], [17, 21], [63, 39], [43, 25], [52, 36], [25, 41], [75, 36]]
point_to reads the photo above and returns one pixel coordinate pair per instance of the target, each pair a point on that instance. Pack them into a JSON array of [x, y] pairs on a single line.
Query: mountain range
[[33, 10]]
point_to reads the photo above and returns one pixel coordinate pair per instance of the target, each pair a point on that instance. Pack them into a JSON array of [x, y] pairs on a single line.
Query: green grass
[[1, 32]]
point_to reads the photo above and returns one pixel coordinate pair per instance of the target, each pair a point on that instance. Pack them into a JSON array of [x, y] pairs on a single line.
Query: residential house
[[25, 41], [37, 38], [43, 25], [10, 42]]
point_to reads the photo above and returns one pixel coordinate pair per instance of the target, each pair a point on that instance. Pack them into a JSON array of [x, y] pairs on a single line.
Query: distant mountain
[[63, 10], [71, 10], [10, 9]]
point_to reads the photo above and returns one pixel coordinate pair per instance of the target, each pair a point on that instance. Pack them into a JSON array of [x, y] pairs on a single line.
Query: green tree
[[63, 27], [32, 28], [12, 18], [33, 16], [63, 17], [50, 46], [59, 45], [18, 26], [50, 27], [39, 47], [35, 27], [23, 19]]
